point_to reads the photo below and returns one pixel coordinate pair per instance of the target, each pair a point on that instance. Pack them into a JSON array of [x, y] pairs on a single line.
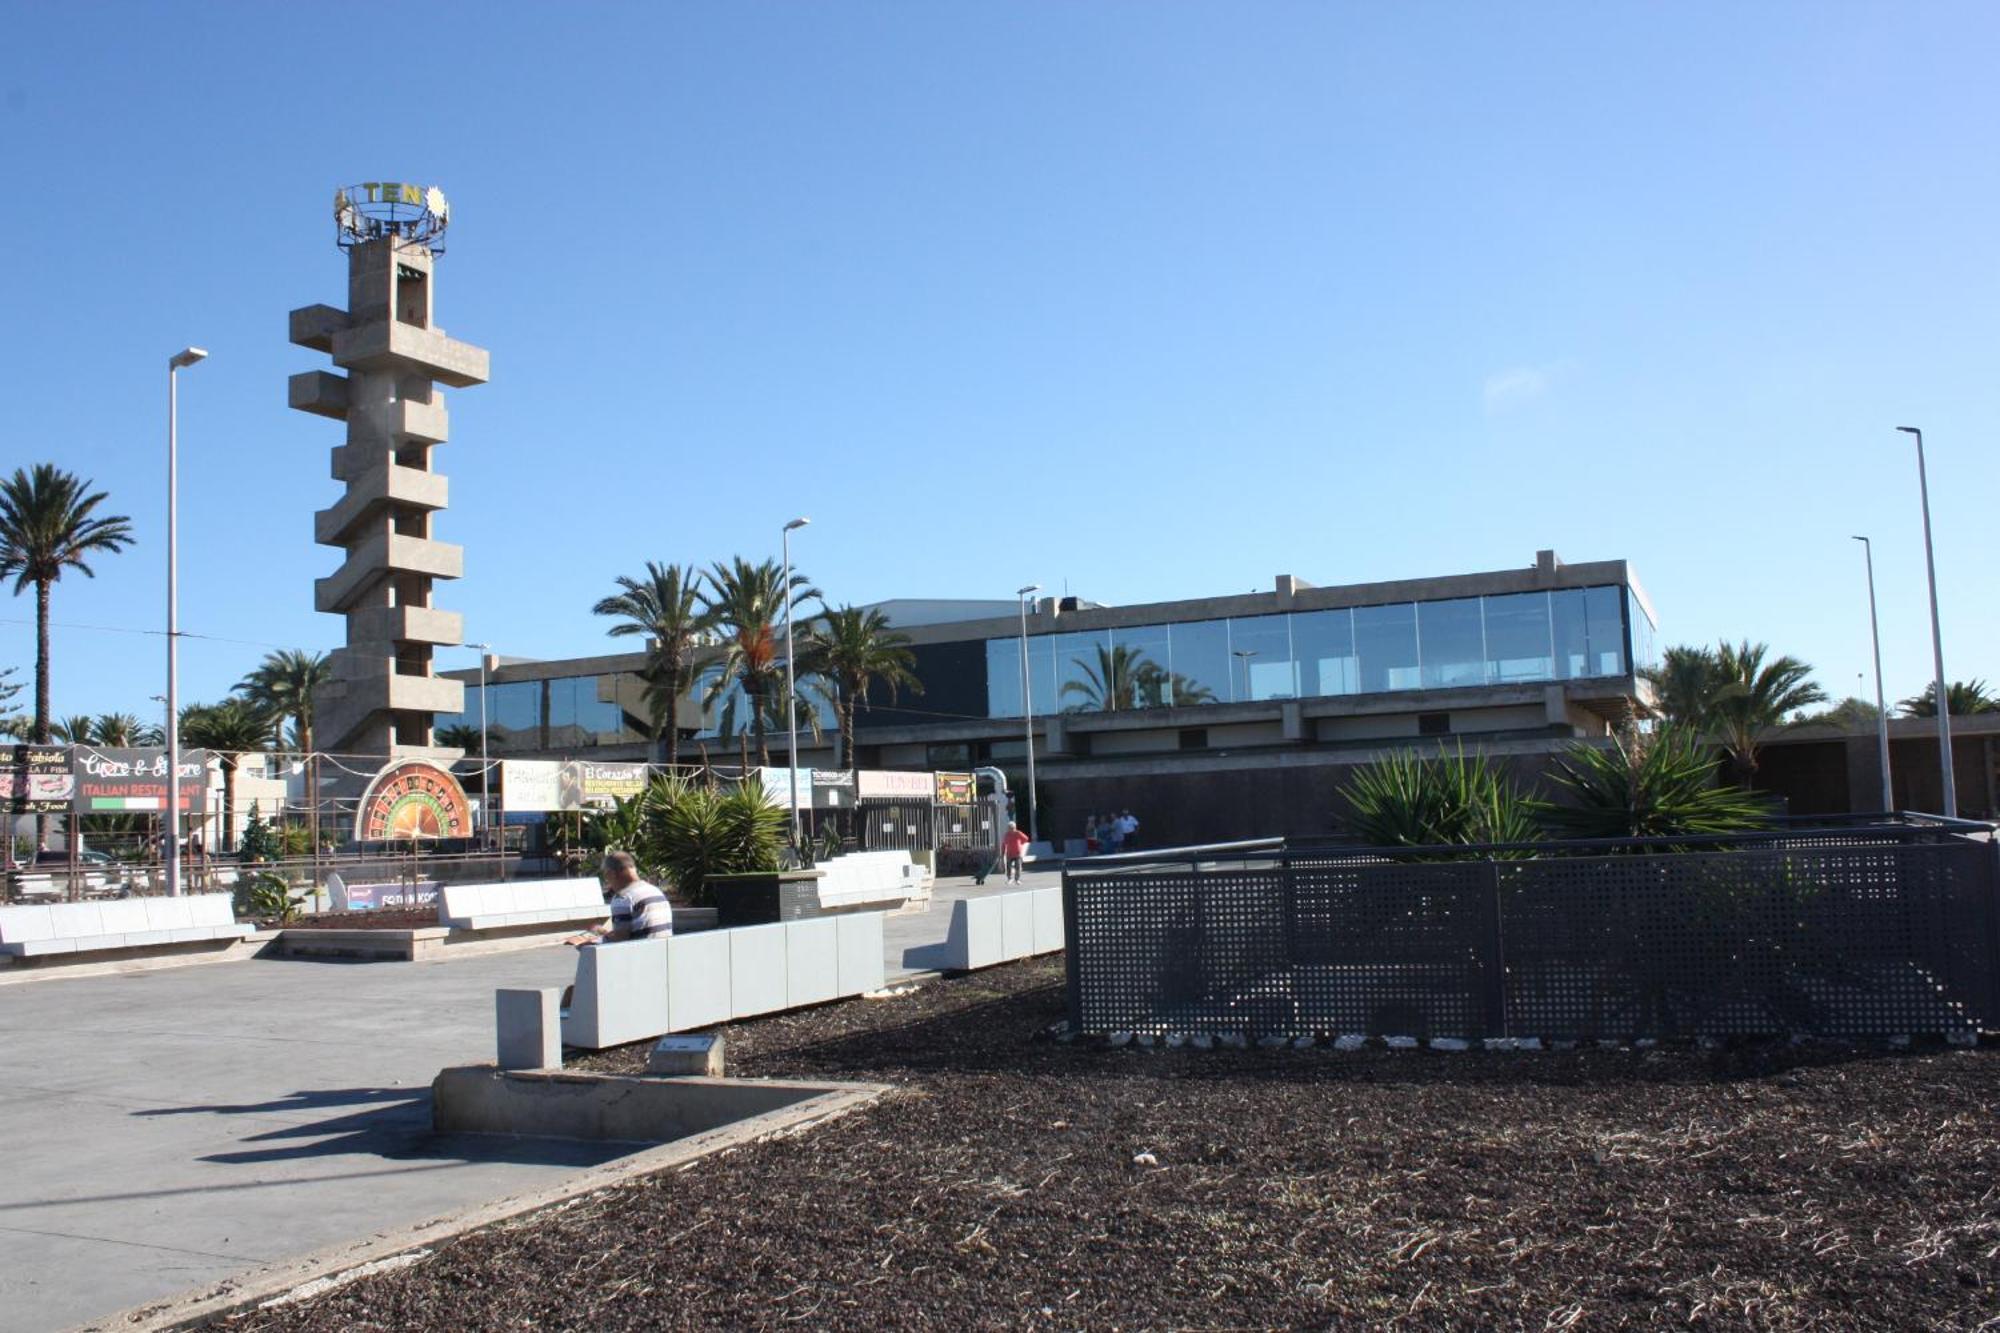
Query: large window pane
[[513, 720], [1260, 650], [1572, 644], [1087, 681], [1604, 620], [1323, 646], [1451, 643], [1385, 639], [1645, 652], [1200, 663], [1003, 678], [1517, 638], [1142, 655]]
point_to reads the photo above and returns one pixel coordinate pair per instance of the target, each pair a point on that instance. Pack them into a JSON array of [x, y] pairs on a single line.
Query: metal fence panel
[[1838, 933]]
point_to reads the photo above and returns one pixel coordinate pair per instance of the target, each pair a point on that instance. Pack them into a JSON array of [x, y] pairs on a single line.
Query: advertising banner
[[778, 787], [531, 784], [956, 788], [36, 779], [832, 789], [587, 786], [114, 781], [874, 783], [381, 897], [413, 799]]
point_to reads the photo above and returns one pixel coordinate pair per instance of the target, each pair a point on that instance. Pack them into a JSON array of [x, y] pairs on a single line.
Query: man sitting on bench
[[639, 911]]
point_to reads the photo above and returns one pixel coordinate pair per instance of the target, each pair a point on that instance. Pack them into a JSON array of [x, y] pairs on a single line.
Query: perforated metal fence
[[1866, 930]]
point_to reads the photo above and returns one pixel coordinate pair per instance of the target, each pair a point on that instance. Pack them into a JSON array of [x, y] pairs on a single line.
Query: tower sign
[[389, 360]]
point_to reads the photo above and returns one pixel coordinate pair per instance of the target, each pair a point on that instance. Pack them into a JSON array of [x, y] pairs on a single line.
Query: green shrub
[[701, 833], [260, 840], [266, 897], [1644, 786], [1455, 799]]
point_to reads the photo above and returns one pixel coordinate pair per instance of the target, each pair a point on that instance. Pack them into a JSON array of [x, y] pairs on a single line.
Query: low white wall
[[1002, 927], [647, 988]]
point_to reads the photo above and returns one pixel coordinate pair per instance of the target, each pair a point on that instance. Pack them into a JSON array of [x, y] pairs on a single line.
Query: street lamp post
[[179, 361], [1881, 709], [1244, 655], [485, 768], [1937, 636], [1028, 710], [791, 681]]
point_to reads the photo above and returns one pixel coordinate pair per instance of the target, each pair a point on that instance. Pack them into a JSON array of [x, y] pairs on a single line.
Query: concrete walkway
[[166, 1129]]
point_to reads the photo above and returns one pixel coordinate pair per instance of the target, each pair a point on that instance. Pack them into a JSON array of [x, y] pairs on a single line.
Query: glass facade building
[[1597, 631], [1506, 639]]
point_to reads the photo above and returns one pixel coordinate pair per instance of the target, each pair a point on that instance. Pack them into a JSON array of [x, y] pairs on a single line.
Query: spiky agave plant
[[1456, 799], [705, 833], [1645, 786]]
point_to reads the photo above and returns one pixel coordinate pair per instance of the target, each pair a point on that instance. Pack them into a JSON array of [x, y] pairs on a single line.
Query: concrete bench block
[[812, 961], [698, 989], [528, 1028], [621, 994], [1017, 925], [858, 962], [756, 970], [974, 937], [1048, 913]]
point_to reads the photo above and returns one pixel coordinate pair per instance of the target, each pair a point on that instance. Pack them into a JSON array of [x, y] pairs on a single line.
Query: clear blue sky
[[1148, 300]]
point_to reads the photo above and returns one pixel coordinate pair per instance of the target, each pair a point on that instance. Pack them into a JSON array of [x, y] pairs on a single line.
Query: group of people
[[1111, 833]]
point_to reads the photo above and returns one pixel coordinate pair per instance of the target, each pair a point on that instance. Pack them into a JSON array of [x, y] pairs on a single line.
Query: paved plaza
[[166, 1129]]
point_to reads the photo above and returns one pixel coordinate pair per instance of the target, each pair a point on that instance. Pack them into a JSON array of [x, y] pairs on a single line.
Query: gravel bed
[[1013, 1181]]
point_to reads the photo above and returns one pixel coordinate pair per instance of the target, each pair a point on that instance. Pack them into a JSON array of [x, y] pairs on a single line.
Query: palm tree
[[231, 728], [854, 650], [1962, 699], [48, 524], [747, 602], [121, 730], [78, 729], [458, 736], [1685, 685], [667, 607], [1117, 679], [283, 686], [1754, 696]]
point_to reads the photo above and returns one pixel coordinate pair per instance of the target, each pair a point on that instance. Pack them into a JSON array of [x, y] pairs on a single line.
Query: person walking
[[1013, 846], [1128, 831]]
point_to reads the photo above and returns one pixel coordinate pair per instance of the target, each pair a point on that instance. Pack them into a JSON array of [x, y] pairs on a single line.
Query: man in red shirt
[[1013, 843]]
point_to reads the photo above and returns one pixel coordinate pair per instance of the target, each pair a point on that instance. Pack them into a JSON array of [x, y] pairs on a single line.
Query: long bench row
[[1002, 927], [125, 923], [528, 902], [648, 988]]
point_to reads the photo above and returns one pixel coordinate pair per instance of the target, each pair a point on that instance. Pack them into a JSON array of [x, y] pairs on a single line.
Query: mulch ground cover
[[1013, 1181]]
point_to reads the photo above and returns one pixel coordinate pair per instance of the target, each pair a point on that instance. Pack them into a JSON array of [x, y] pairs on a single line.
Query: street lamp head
[[1911, 430], [1023, 592], [186, 357], [1862, 540], [797, 523]]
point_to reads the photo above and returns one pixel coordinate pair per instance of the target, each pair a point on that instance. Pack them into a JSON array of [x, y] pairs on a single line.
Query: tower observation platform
[[389, 360]]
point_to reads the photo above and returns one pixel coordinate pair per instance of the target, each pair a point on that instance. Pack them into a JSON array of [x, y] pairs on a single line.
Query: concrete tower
[[384, 694]]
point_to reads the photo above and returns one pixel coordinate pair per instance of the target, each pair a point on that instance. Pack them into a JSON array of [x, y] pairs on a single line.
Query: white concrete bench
[[124, 923], [647, 988], [528, 902], [861, 878], [1001, 927]]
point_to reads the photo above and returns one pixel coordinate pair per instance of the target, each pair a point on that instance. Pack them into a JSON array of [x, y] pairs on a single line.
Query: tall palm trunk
[[41, 662], [671, 717], [757, 728]]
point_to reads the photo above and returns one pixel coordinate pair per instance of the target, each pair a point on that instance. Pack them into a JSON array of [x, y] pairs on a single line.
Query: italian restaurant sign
[[36, 780], [112, 781], [413, 799]]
